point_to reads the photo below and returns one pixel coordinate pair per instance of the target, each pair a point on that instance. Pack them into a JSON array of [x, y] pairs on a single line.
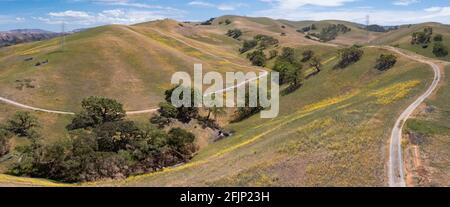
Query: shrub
[[316, 63], [262, 41], [440, 50], [332, 31], [273, 54], [160, 121], [116, 136], [168, 110], [248, 45], [257, 58], [243, 113], [265, 41], [288, 54], [385, 62], [228, 21], [234, 33], [5, 145], [422, 37], [304, 29], [208, 22], [180, 138], [81, 121], [349, 56], [22, 123], [438, 38], [307, 55]]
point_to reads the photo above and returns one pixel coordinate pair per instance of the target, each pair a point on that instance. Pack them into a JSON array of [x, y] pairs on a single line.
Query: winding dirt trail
[[395, 165]]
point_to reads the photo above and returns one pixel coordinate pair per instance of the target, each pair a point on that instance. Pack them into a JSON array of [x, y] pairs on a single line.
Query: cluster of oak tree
[[102, 144], [425, 37], [259, 42], [328, 33]]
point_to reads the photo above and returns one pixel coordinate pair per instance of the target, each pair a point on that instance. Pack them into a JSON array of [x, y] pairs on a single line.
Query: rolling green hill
[[402, 38], [132, 64], [357, 35], [333, 131]]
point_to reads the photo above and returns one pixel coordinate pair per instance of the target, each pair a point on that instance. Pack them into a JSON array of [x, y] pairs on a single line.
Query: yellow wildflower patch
[[394, 92], [328, 102], [317, 124]]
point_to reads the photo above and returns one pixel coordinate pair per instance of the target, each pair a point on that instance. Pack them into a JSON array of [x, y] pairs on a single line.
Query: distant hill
[[378, 28], [402, 38], [18, 36], [354, 33]]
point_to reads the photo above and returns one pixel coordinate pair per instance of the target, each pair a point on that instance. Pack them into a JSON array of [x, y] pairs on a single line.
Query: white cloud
[[382, 17], [222, 7], [438, 12], [4, 19], [201, 3], [132, 11], [295, 4], [128, 3], [433, 9], [70, 14], [114, 16], [20, 19], [405, 2]]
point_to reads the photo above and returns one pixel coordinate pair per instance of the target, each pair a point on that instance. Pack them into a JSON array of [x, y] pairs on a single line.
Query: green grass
[[402, 39], [433, 125], [428, 128], [139, 64], [355, 36], [128, 63], [267, 23], [331, 132]]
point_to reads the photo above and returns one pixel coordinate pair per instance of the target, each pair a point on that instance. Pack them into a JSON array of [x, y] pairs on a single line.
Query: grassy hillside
[[250, 26], [138, 61], [132, 64], [428, 147], [332, 132], [355, 36], [402, 38]]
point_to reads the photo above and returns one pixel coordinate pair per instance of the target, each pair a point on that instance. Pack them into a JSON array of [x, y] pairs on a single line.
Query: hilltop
[[402, 38]]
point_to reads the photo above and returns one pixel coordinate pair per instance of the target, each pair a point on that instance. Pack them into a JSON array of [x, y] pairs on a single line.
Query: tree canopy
[[385, 62], [440, 50], [22, 123], [96, 111], [349, 56]]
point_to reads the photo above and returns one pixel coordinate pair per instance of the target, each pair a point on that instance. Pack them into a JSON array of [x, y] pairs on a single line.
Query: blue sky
[[46, 14]]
